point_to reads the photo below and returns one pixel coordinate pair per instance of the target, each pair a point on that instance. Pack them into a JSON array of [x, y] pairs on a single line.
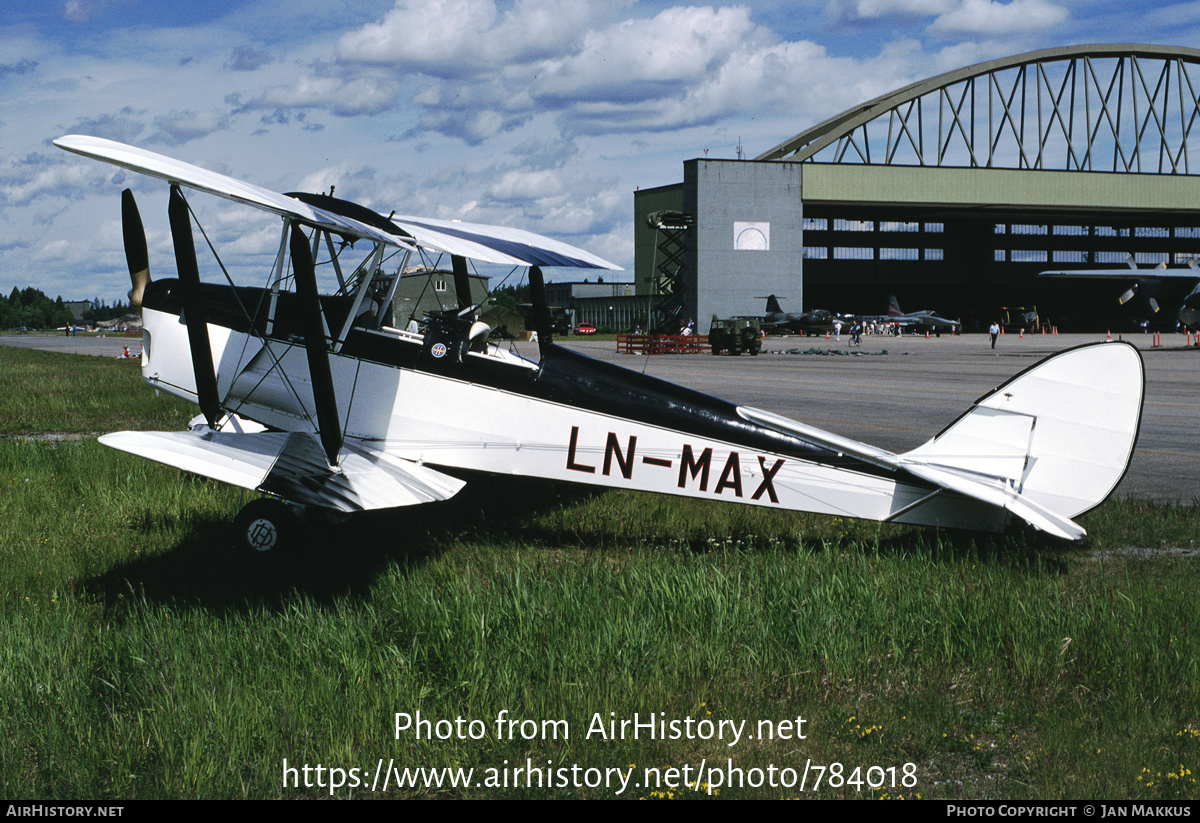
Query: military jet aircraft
[[777, 321], [317, 403], [922, 320]]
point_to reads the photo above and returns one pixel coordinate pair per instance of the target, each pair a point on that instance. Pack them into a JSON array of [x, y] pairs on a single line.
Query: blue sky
[[540, 114]]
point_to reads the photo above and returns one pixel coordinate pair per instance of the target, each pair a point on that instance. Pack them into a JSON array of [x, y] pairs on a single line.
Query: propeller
[[1128, 295], [193, 314], [541, 311], [314, 343], [136, 255]]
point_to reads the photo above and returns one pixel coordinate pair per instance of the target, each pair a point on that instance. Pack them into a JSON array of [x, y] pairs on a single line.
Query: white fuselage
[[443, 421]]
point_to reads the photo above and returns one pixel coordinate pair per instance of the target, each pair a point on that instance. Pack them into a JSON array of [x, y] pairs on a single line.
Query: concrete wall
[[748, 237]]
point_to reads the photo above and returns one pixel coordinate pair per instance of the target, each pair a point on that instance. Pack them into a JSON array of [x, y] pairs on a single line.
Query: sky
[[544, 115]]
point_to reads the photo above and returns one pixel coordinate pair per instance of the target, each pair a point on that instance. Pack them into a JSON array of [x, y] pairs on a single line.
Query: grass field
[[512, 630]]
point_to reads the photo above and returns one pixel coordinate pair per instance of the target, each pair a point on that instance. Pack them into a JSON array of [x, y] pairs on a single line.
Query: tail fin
[[773, 305], [1060, 434]]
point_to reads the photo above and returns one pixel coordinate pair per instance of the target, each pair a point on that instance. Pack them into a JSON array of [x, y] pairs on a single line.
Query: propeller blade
[[136, 255], [1127, 296], [193, 314], [541, 311], [1154, 305], [319, 372], [1130, 260], [462, 281]]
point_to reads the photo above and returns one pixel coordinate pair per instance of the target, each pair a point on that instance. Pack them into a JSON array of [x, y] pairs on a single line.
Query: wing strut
[[314, 343], [194, 314]]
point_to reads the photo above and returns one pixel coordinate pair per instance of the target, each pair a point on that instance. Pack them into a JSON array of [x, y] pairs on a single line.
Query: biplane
[[318, 402]]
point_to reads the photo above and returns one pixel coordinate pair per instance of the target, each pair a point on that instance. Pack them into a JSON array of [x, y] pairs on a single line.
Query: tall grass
[[140, 656]]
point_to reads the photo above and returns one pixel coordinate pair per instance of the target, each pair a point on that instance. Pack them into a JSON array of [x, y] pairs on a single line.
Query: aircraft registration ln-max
[[321, 404]]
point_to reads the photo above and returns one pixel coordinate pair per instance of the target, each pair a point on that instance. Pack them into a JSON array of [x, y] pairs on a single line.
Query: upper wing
[[497, 244], [1126, 274], [491, 244], [176, 171]]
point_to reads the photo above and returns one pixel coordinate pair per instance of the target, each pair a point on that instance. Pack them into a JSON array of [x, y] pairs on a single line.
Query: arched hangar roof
[[1094, 108]]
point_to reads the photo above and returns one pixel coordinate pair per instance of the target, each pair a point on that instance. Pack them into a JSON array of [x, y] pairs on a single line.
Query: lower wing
[[292, 465]]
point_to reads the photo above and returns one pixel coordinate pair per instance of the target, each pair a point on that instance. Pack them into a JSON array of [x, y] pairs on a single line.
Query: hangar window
[[898, 254], [816, 253], [1025, 229], [1000, 256], [439, 285], [816, 224], [933, 254], [1069, 256], [934, 227], [1028, 256], [1187, 231], [1184, 258], [1109, 231], [894, 226], [1001, 228], [1071, 231], [1151, 258], [1110, 257], [853, 253], [854, 225], [1150, 231]]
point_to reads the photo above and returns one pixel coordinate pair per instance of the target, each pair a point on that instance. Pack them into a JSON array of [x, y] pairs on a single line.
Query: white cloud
[[883, 9], [64, 180], [991, 19], [366, 94], [450, 38], [637, 58], [178, 127], [527, 185]]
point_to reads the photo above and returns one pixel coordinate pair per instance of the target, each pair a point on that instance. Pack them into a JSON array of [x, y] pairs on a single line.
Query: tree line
[[30, 308]]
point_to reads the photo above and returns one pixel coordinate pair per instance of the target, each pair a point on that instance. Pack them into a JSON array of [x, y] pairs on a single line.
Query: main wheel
[[264, 525]]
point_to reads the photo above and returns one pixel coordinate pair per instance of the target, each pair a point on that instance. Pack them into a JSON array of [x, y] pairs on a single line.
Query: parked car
[[585, 328]]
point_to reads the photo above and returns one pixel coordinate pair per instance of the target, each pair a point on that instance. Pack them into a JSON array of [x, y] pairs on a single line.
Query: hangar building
[[951, 194]]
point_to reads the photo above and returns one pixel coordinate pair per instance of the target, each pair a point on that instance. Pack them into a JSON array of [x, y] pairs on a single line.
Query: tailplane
[[1057, 438]]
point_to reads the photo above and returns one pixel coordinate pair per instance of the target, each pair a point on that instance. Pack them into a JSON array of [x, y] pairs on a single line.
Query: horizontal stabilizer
[[984, 486], [1047, 446], [293, 466], [1060, 434]]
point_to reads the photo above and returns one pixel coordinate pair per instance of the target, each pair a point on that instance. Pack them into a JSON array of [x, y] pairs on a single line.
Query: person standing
[[994, 331]]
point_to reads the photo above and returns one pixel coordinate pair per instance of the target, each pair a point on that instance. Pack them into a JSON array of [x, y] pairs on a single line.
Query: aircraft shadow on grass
[[332, 560]]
